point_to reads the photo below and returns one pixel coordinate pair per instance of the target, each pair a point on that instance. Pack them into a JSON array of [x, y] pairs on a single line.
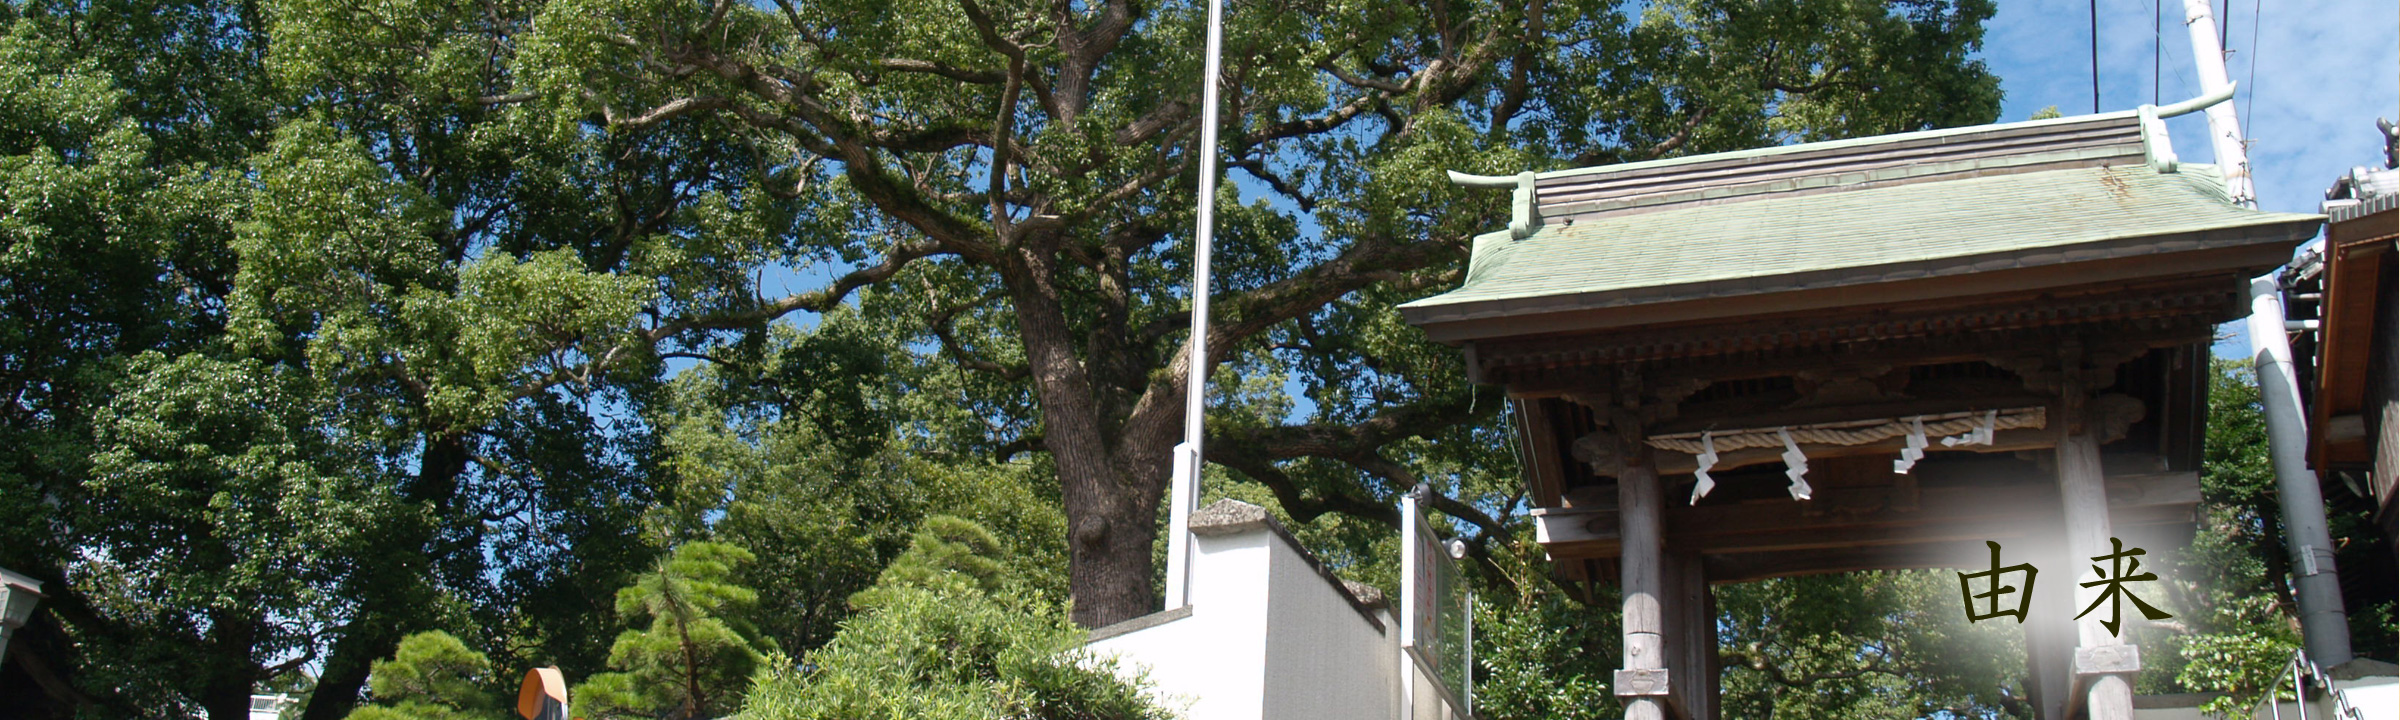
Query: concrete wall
[[1324, 658], [1269, 635], [2373, 696]]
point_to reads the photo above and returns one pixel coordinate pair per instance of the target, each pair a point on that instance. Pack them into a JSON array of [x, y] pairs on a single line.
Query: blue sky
[[2312, 76], [2312, 80]]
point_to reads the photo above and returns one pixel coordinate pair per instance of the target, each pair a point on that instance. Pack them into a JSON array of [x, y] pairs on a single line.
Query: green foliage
[[1541, 654], [2231, 582], [1877, 644], [943, 635], [800, 457], [949, 554], [434, 676], [220, 514], [698, 653], [329, 322]]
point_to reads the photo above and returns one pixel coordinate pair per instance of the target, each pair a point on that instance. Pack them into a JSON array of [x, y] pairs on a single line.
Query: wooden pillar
[[2049, 633], [2103, 664], [1642, 683], [1691, 635]]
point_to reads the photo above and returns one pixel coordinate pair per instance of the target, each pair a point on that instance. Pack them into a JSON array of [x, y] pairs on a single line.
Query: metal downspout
[[2324, 626]]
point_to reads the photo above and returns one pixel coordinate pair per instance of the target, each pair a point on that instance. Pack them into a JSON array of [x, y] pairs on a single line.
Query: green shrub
[[432, 676], [944, 635], [698, 651]]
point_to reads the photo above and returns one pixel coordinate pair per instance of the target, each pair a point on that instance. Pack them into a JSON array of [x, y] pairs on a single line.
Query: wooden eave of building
[[1939, 241], [2358, 277], [1855, 274]]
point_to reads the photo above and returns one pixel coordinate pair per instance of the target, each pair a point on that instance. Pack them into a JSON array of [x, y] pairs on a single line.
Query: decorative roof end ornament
[[2154, 128], [1524, 212]]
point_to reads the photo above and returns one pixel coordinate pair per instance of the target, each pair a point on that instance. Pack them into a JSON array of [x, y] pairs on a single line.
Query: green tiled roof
[[1852, 235]]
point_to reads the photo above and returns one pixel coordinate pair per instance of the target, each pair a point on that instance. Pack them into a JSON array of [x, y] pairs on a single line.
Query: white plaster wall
[[1209, 666], [2374, 697], [2171, 713], [1270, 639], [1429, 704], [1324, 660]]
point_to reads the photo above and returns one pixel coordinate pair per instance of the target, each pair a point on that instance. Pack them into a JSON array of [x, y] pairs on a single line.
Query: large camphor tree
[[1021, 179], [330, 322]]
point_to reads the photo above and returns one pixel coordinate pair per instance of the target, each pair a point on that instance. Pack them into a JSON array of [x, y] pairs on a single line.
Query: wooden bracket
[[2107, 660], [1642, 683]]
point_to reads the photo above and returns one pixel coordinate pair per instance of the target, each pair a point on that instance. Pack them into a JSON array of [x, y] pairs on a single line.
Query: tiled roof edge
[[1835, 144], [1432, 310], [2369, 206]]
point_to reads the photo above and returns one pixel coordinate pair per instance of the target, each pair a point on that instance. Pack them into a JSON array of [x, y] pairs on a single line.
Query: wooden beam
[[1572, 373], [1674, 463], [1945, 514], [1749, 567], [1545, 474], [1829, 413]]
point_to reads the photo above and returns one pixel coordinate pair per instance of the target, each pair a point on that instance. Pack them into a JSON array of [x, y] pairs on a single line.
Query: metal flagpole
[[2224, 130], [1185, 494]]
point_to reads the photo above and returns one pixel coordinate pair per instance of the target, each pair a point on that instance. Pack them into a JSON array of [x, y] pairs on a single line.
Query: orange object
[[543, 696]]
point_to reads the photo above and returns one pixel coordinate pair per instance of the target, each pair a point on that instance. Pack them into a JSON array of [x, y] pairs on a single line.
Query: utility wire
[[2224, 24], [2250, 104], [2095, 56]]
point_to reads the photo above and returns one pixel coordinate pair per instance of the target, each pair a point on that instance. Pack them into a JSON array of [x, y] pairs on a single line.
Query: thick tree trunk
[[394, 592], [1110, 481], [1108, 565], [225, 693], [367, 638]]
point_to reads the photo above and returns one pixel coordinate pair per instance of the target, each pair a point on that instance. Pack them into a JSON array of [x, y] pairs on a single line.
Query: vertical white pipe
[[2224, 129], [1185, 490], [1179, 527], [2324, 625]]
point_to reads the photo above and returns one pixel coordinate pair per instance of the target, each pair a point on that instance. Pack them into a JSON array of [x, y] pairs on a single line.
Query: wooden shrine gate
[[2044, 293]]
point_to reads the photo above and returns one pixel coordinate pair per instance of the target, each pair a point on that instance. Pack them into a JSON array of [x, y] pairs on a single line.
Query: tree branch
[[1374, 463], [978, 77]]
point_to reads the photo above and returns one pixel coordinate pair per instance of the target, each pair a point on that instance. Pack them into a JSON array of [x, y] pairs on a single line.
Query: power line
[[2224, 25], [2095, 56], [2251, 103]]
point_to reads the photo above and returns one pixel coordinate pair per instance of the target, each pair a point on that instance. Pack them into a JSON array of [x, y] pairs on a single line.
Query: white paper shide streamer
[[1981, 435], [1708, 459], [1795, 465], [1916, 447]]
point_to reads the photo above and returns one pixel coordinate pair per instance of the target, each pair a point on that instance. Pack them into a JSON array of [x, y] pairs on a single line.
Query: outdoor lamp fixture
[[17, 596]]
